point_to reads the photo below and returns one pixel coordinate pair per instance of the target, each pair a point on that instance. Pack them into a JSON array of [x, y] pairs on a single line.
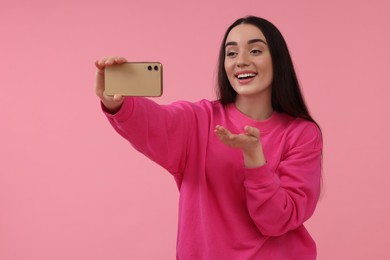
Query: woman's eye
[[231, 54], [256, 52]]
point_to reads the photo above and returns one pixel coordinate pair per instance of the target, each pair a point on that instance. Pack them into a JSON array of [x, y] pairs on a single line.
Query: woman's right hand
[[112, 103]]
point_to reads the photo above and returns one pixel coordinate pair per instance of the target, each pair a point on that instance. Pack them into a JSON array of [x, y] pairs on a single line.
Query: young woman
[[248, 165]]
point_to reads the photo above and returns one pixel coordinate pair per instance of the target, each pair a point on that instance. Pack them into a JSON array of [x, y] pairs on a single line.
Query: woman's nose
[[242, 60]]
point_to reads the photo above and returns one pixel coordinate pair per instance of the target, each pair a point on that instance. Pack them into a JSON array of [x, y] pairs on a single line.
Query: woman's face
[[248, 62]]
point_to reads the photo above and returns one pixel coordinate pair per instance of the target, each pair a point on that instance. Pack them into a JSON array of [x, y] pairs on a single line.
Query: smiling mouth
[[246, 75]]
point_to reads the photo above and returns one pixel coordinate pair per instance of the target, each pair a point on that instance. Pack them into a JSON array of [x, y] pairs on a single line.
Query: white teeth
[[246, 75]]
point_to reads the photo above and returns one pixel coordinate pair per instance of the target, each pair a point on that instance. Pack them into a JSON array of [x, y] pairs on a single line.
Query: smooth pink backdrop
[[71, 188]]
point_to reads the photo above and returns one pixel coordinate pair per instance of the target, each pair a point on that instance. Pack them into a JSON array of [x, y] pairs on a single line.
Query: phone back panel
[[134, 79]]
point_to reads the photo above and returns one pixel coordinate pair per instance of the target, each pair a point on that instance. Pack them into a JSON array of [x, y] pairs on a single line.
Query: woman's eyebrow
[[233, 43], [256, 40]]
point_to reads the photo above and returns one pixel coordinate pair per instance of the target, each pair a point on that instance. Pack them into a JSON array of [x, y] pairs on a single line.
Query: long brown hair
[[286, 94]]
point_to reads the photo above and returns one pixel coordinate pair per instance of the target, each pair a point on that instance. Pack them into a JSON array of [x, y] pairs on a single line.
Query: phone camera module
[[149, 67], [155, 67]]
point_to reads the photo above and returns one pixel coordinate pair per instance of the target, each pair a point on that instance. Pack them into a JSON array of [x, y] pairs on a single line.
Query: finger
[[252, 131], [102, 62], [222, 135], [223, 138], [99, 87], [118, 98], [222, 130], [113, 60], [100, 93], [120, 60], [218, 129], [110, 61], [99, 64]]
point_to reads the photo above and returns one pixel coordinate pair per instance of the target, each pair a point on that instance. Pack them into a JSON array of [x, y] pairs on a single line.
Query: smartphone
[[134, 79]]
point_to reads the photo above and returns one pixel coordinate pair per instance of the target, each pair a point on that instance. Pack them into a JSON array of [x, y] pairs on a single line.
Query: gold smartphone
[[134, 79]]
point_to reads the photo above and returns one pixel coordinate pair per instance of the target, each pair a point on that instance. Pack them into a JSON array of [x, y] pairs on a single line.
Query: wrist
[[254, 158], [111, 107]]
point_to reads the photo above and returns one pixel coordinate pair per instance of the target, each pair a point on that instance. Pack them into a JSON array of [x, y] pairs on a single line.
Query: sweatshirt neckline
[[265, 125]]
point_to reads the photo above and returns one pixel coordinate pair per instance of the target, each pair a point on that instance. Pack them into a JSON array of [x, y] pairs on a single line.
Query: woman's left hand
[[245, 141], [248, 142]]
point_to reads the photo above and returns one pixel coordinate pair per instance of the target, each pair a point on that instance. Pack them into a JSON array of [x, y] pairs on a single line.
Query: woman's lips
[[244, 77], [245, 80]]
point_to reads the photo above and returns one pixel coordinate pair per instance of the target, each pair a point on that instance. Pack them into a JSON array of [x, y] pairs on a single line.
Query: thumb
[[118, 98], [253, 131]]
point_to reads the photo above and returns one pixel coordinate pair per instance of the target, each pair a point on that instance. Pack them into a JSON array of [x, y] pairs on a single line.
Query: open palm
[[246, 141]]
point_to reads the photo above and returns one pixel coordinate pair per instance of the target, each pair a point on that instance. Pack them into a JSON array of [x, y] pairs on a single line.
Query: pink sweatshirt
[[227, 211]]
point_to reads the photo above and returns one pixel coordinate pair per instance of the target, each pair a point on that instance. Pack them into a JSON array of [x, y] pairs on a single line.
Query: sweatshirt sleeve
[[283, 200], [161, 132]]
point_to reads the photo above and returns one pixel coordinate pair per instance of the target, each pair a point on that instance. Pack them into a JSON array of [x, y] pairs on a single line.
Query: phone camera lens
[[149, 67], [155, 67]]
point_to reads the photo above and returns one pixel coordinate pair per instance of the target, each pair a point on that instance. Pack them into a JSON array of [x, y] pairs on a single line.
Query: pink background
[[71, 188]]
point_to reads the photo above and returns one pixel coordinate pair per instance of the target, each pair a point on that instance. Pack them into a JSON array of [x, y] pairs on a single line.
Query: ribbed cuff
[[259, 176], [123, 114]]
